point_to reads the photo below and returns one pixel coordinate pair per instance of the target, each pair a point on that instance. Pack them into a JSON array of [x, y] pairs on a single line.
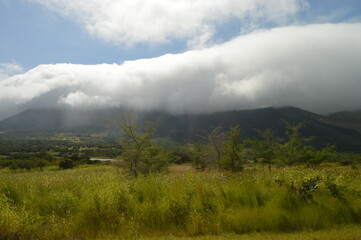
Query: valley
[[248, 174]]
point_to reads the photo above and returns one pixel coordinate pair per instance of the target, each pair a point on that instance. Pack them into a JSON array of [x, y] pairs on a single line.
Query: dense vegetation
[[219, 149], [262, 184], [53, 150], [101, 202], [63, 144]]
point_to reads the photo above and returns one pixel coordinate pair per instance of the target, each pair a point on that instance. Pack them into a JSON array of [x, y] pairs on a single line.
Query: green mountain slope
[[187, 127]]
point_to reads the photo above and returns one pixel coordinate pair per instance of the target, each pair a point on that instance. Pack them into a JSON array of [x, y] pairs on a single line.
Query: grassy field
[[102, 203], [352, 232]]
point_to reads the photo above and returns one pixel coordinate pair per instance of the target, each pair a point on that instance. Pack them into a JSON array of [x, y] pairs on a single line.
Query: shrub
[[67, 164]]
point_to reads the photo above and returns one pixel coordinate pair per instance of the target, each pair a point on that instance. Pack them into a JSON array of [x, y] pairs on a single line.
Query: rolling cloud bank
[[316, 67]]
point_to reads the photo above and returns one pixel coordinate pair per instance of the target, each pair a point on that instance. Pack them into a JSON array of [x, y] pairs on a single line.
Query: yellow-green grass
[[102, 203], [352, 232]]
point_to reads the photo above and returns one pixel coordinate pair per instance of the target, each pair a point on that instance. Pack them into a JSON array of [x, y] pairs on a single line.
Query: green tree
[[293, 151], [67, 164], [47, 156], [198, 156], [232, 159], [264, 148], [315, 157], [40, 163], [180, 153], [27, 164], [141, 154]]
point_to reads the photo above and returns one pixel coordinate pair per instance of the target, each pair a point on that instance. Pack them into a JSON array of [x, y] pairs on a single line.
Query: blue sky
[[180, 56], [33, 35]]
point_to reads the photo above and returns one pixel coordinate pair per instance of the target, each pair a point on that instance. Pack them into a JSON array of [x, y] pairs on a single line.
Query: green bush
[[67, 164]]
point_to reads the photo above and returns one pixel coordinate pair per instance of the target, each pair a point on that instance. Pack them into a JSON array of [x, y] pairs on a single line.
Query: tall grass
[[100, 202]]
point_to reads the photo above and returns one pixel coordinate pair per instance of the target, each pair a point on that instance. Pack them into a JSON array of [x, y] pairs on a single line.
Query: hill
[[348, 119], [58, 120], [188, 127]]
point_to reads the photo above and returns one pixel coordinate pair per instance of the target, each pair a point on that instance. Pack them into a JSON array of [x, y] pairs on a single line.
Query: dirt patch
[[181, 169]]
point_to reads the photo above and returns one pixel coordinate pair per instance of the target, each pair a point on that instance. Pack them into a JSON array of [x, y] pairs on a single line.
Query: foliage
[[308, 187], [199, 156], [315, 157], [46, 156], [293, 151], [141, 154], [59, 146], [209, 153], [336, 191], [215, 146], [264, 148], [232, 159], [180, 153], [67, 164], [40, 163], [23, 164]]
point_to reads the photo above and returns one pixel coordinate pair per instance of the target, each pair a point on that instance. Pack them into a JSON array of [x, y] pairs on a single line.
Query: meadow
[[101, 202]]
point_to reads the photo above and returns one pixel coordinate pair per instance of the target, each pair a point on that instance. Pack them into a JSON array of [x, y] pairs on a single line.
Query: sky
[[180, 56]]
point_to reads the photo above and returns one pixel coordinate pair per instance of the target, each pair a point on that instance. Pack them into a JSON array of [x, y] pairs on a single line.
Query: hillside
[[188, 127], [349, 119], [55, 120]]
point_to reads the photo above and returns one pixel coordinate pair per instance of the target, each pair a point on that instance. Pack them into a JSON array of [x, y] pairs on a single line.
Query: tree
[[266, 147], [232, 159], [75, 157], [293, 151], [180, 153], [45, 155], [210, 152], [40, 163], [198, 156], [67, 164], [141, 154], [315, 157], [22, 164], [215, 143]]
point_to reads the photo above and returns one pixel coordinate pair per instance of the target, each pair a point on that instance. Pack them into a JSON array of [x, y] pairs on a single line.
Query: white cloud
[[9, 69], [316, 67], [128, 22], [79, 98]]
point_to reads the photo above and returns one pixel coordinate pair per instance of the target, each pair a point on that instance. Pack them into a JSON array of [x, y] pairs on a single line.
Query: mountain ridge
[[187, 127]]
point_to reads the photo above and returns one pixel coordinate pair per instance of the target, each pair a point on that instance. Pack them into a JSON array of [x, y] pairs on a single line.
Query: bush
[[67, 164]]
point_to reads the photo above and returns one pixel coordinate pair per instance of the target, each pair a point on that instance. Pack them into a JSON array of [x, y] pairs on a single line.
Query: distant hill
[[58, 120], [348, 119], [187, 127]]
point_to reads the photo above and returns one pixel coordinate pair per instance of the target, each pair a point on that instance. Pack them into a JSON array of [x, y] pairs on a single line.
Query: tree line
[[143, 154], [40, 160]]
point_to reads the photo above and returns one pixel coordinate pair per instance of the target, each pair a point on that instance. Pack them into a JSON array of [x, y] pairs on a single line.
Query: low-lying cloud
[[316, 67]]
